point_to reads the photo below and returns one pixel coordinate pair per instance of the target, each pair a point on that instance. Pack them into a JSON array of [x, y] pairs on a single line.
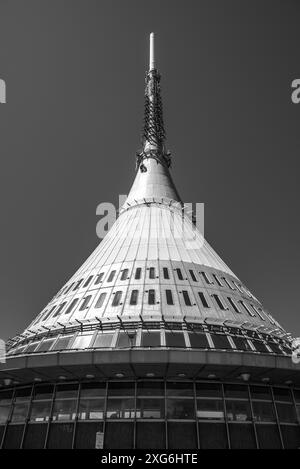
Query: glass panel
[[268, 437], [198, 340], [151, 297], [260, 346], [111, 276], [138, 273], [203, 299], [210, 409], [124, 274], [175, 339], [85, 303], [117, 298], [118, 435], [151, 272], [64, 409], [286, 413], [290, 436], [242, 436], [241, 343], [45, 345], [166, 273], [282, 394], [40, 411], [23, 394], [180, 409], [212, 436], [208, 390], [126, 340], [180, 388], [82, 341], [221, 341], [20, 412], [35, 436], [150, 408], [88, 281], [31, 347], [150, 435], [86, 435], [66, 391], [43, 392], [238, 411], [121, 389], [5, 397], [100, 300], [13, 437], [93, 390], [120, 409], [263, 411], [91, 409], [134, 297], [4, 413], [182, 435], [62, 343], [236, 390], [186, 298], [150, 388], [260, 392], [193, 275], [179, 274], [72, 306], [103, 340], [151, 339], [296, 395], [169, 297], [99, 278], [60, 436]]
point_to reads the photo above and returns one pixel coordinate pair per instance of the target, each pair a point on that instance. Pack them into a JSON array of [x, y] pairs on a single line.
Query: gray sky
[[71, 126]]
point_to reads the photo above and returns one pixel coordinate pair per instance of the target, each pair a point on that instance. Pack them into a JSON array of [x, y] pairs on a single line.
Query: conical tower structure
[[157, 319]]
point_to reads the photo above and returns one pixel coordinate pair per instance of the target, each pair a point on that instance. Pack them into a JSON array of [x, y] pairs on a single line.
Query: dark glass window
[[60, 308], [180, 388], [23, 394], [150, 388], [150, 339], [203, 299], [210, 409], [5, 397], [45, 345], [49, 313], [124, 274], [260, 346], [151, 297], [43, 392], [238, 391], [296, 394], [138, 273], [180, 409], [13, 437], [100, 301], [62, 343], [152, 272], [218, 280], [241, 436], [150, 408], [60, 436], [208, 390], [218, 301], [117, 388], [40, 411], [198, 340], [212, 436], [85, 303], [20, 412], [166, 273], [193, 276], [221, 341], [117, 298], [103, 340], [134, 297], [88, 281], [67, 391], [120, 409], [182, 435], [205, 276], [169, 297], [241, 343], [111, 276], [233, 304], [87, 435], [186, 298], [35, 436], [290, 436], [179, 274], [246, 308], [118, 435], [71, 306], [282, 394], [263, 411], [150, 435], [175, 339], [126, 340], [78, 284], [99, 278], [4, 413], [260, 392], [238, 411], [91, 409], [64, 409], [89, 390], [286, 413], [268, 436]]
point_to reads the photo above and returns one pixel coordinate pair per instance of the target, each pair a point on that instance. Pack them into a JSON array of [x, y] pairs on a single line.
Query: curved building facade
[[154, 342]]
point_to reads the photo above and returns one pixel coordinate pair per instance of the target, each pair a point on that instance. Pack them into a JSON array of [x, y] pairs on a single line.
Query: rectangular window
[[85, 303], [218, 280], [237, 286], [151, 297], [78, 284], [219, 301], [138, 273], [103, 340], [117, 298], [111, 276], [68, 289], [134, 297], [124, 275], [198, 340], [82, 341], [206, 278], [71, 306], [152, 272], [258, 313], [166, 273], [192, 274], [169, 297], [179, 274], [203, 299], [60, 309], [49, 313], [175, 339], [88, 281], [228, 284], [100, 300], [150, 339], [99, 278], [186, 298], [232, 302], [246, 308]]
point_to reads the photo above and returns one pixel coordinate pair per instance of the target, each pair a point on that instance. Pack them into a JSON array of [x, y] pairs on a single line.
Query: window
[[78, 284], [203, 299], [218, 280], [49, 313], [232, 302], [99, 278], [117, 298], [206, 278], [152, 272], [82, 341], [186, 298], [134, 297], [180, 409], [88, 281], [258, 312], [150, 339], [246, 308], [238, 411], [221, 341], [175, 339], [85, 303], [150, 408], [60, 309], [111, 276], [166, 273], [151, 297], [124, 274], [100, 300], [179, 274], [228, 284], [193, 275], [138, 273], [126, 339], [69, 288], [120, 408], [103, 340], [62, 343], [71, 306], [169, 297], [219, 301], [198, 340], [210, 409]]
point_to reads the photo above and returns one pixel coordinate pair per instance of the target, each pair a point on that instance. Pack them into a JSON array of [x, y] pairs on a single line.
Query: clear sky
[[71, 126]]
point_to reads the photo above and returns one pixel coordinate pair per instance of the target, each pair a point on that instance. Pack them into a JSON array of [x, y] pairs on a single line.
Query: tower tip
[[152, 56]]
